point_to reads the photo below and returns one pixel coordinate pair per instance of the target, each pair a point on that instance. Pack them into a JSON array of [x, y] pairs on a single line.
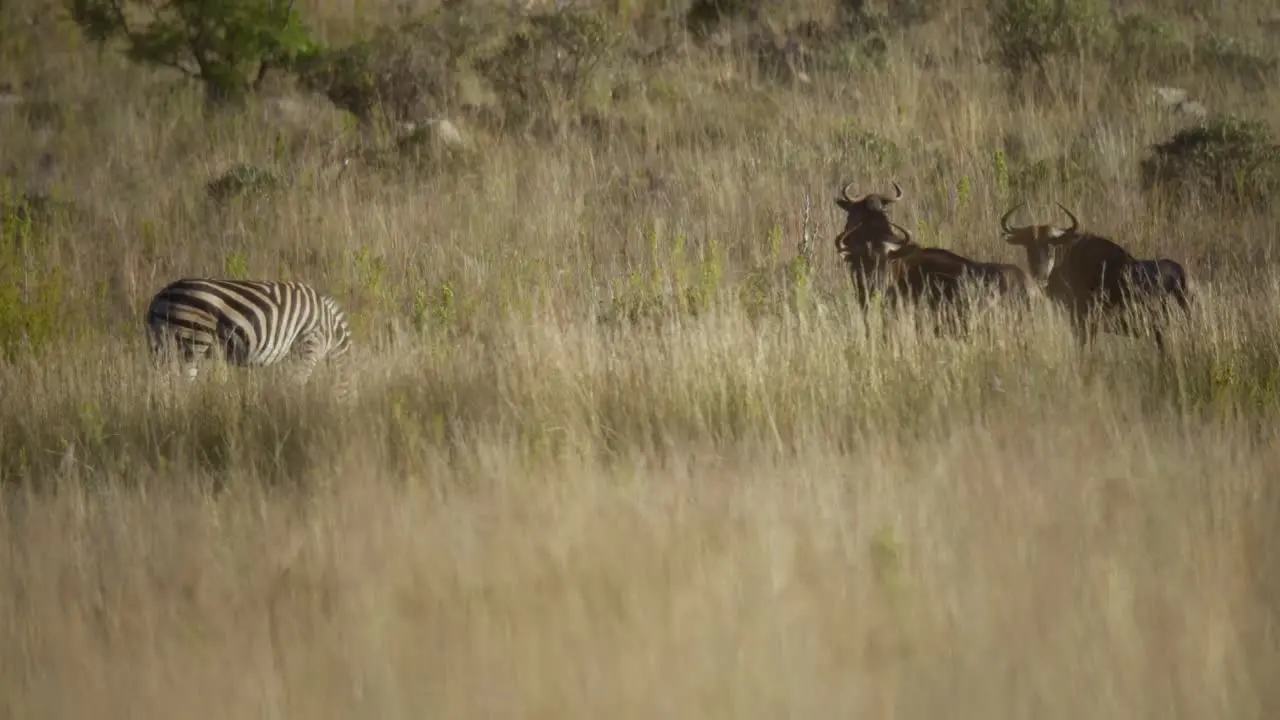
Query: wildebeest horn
[[1004, 219], [896, 198], [905, 235], [884, 199], [1075, 224], [844, 192]]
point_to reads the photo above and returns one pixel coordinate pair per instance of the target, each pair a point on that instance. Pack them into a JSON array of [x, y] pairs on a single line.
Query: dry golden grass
[[757, 511]]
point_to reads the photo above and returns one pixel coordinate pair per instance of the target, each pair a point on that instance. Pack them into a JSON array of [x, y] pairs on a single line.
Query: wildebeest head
[[866, 216], [869, 203], [1039, 241], [866, 224]]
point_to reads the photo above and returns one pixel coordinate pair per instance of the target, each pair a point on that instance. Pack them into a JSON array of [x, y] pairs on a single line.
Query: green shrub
[[30, 293], [1027, 33], [402, 71], [545, 64], [853, 147], [704, 16], [226, 44], [243, 180], [1145, 46], [905, 13], [1229, 57], [1223, 158]]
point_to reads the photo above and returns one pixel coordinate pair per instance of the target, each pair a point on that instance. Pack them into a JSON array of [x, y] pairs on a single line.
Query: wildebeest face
[[867, 209], [1038, 241]]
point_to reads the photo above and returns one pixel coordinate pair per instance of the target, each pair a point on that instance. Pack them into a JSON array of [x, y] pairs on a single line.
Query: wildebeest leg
[[1084, 328]]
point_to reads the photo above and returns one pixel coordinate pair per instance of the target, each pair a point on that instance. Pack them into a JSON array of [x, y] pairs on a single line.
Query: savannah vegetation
[[625, 444]]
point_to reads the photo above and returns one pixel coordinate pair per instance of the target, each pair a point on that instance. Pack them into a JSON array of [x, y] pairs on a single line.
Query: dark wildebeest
[[942, 279], [866, 228], [1095, 280]]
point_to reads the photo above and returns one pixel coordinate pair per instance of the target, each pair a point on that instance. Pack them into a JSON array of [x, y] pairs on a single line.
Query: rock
[[1179, 100], [439, 130]]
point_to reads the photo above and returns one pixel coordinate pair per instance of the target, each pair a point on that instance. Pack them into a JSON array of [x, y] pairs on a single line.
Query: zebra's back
[[253, 322]]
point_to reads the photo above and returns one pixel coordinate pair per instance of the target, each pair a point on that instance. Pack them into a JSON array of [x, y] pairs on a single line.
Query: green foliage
[[1224, 158], [402, 70], [1232, 58], [235, 265], [411, 70], [855, 146], [226, 44], [1224, 380], [964, 191], [1053, 174], [1146, 48], [776, 287], [30, 294], [545, 64], [676, 285], [1000, 168], [436, 312], [637, 301], [1027, 33], [244, 180], [905, 13], [704, 16]]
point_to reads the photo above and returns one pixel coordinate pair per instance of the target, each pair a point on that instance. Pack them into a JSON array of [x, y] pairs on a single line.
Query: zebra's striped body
[[251, 323]]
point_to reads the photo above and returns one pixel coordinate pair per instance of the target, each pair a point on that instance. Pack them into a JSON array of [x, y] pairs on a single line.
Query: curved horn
[[844, 192], [897, 189], [1004, 219], [906, 236], [842, 238], [1075, 224]]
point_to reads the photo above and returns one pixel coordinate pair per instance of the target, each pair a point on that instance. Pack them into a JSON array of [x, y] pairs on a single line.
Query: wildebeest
[[942, 279], [940, 276], [866, 228], [1096, 279]]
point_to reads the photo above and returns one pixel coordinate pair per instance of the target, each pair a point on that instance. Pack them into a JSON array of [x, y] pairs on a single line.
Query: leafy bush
[[1027, 33], [226, 44], [30, 294], [854, 146], [704, 16], [243, 180], [1145, 46], [402, 72], [1228, 56], [905, 13], [1222, 158], [547, 62]]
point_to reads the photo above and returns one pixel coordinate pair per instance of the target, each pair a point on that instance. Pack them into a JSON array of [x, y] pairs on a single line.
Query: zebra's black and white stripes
[[249, 322]]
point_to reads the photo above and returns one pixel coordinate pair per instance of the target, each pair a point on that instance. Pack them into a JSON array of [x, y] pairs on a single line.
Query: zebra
[[250, 323]]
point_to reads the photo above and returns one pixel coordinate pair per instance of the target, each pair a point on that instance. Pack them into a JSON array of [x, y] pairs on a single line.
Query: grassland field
[[615, 451]]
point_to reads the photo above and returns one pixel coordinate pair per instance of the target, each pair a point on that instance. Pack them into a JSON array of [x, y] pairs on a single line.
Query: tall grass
[[610, 456]]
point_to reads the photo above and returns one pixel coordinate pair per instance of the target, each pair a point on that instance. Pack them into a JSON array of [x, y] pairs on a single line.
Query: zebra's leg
[[170, 349], [344, 385], [190, 361], [1081, 323], [307, 354]]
